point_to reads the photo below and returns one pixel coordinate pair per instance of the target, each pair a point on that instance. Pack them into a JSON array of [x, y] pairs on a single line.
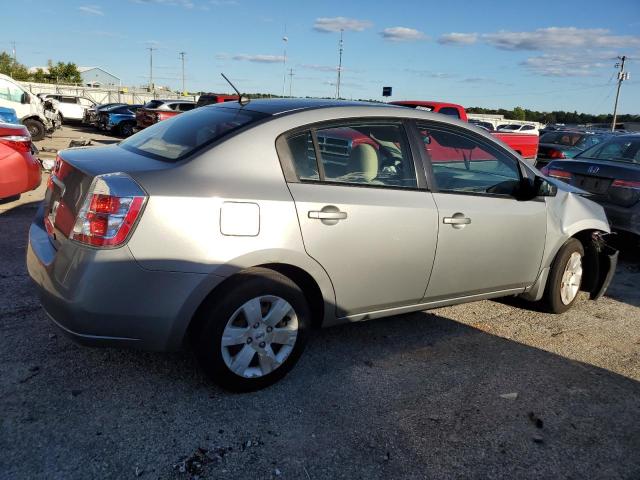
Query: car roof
[[277, 106]]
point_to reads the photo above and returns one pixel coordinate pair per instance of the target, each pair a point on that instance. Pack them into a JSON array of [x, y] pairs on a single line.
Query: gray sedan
[[237, 228]]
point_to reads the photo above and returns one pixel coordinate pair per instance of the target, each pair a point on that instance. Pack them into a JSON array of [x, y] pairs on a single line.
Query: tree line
[[58, 72], [557, 116]]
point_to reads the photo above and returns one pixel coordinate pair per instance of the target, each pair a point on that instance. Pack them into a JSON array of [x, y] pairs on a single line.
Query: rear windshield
[[569, 139], [153, 104], [174, 139]]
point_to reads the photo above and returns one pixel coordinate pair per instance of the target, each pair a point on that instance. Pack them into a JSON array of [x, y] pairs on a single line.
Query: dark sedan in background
[[610, 172], [566, 144]]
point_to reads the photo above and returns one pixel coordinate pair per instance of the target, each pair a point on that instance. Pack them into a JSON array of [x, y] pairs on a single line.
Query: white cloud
[[554, 38], [259, 58], [562, 65], [402, 34], [335, 24], [189, 4], [91, 10], [455, 38]]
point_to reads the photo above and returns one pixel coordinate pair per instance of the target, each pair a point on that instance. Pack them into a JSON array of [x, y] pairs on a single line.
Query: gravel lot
[[483, 390]]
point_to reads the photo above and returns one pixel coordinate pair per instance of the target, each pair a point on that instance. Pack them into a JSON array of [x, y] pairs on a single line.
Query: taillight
[[556, 154], [626, 184], [555, 173], [110, 211], [21, 143]]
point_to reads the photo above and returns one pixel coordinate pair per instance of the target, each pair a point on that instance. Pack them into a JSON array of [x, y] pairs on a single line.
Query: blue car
[[8, 115], [119, 119]]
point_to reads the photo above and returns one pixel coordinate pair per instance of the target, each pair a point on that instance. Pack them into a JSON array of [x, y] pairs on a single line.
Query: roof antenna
[[242, 100]]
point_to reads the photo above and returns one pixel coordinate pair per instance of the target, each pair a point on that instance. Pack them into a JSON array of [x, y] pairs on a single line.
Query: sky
[[542, 55]]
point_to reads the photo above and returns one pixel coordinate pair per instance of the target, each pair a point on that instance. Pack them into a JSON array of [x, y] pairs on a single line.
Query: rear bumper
[[626, 219], [104, 298]]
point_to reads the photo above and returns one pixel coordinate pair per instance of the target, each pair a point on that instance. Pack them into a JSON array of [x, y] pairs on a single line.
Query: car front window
[[462, 164]]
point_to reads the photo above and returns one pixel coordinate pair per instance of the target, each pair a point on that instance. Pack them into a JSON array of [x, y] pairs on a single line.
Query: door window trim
[[428, 166], [288, 166]]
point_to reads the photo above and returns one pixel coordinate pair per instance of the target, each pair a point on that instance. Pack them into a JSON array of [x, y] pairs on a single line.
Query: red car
[[158, 110], [19, 169]]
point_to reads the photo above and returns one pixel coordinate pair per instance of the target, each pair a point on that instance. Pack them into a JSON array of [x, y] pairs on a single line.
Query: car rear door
[[364, 211], [488, 240]]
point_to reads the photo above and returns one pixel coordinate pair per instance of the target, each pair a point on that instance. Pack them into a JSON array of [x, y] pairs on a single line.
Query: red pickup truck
[[526, 145]]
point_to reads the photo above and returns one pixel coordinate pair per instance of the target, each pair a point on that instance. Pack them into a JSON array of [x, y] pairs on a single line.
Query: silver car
[[237, 228]]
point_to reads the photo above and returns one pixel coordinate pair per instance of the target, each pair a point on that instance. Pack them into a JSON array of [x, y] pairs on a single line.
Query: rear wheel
[[36, 129], [126, 129], [253, 330], [565, 278]]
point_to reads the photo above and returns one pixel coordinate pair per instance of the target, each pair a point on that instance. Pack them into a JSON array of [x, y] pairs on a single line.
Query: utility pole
[[151, 49], [341, 44], [285, 39], [182, 54], [622, 76], [15, 62], [291, 74]]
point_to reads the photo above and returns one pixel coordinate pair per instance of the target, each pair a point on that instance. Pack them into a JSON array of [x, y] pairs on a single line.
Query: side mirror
[[26, 98]]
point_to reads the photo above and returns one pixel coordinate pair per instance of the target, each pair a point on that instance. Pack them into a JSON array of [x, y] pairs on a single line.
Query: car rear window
[[153, 104], [173, 139]]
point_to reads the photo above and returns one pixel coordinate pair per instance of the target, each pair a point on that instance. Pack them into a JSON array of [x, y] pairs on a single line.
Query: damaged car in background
[[238, 227]]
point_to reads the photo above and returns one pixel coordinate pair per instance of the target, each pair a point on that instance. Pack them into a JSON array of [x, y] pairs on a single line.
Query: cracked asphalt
[[492, 389]]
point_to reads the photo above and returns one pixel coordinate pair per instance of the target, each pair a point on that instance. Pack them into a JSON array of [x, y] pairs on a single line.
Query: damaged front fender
[[601, 260]]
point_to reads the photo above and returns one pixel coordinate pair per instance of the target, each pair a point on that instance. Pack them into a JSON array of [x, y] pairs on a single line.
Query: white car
[[515, 127], [70, 107], [28, 107]]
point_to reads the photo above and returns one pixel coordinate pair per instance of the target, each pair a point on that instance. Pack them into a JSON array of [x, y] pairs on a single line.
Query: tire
[[36, 129], [251, 343], [554, 301], [126, 129]]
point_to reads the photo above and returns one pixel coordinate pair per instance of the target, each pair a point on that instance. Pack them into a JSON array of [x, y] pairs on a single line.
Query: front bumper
[[104, 298]]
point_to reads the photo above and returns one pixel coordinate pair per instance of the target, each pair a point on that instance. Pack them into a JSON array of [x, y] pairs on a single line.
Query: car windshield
[[618, 149], [153, 104], [174, 139]]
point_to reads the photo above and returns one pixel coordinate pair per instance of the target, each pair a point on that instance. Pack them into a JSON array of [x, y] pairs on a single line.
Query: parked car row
[[124, 119]]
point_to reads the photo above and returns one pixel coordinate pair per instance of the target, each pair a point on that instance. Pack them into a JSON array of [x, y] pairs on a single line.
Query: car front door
[[364, 211], [488, 241]]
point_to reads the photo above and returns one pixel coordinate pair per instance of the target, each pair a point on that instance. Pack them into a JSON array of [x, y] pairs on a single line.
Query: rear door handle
[[327, 215]]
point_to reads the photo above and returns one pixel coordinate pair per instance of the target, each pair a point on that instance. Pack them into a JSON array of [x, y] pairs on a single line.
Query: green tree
[[63, 72], [519, 114], [12, 68]]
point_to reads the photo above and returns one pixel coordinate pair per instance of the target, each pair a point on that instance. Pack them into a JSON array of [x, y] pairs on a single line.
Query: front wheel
[[565, 278], [36, 129], [253, 330]]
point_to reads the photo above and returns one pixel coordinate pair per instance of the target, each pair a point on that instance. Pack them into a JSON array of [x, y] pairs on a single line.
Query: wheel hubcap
[[259, 336], [571, 278]]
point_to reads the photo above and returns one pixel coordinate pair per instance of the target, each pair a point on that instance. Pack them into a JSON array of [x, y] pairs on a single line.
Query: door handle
[[327, 215], [456, 220]]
